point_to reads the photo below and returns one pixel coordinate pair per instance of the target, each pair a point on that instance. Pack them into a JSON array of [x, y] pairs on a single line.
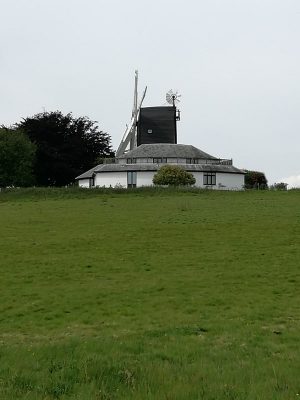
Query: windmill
[[129, 137], [173, 97]]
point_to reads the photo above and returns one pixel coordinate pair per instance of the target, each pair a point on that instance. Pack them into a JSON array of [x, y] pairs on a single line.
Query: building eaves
[[88, 174], [155, 167]]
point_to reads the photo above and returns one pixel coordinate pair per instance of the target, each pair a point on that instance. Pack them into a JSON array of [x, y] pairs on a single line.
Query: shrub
[[279, 186], [173, 175]]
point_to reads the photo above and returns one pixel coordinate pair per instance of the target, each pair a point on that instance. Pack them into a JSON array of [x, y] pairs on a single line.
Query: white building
[[137, 167], [151, 138]]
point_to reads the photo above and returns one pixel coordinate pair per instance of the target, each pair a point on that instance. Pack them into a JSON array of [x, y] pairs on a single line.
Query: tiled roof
[[167, 150], [88, 174], [154, 167], [162, 150]]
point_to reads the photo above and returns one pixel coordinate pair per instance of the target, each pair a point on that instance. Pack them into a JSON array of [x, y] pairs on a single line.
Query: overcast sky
[[235, 62]]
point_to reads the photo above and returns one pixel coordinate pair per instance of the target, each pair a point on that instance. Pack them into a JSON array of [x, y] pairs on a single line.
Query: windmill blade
[[135, 96], [142, 99], [169, 98], [133, 141], [172, 97], [133, 134], [135, 108], [130, 132]]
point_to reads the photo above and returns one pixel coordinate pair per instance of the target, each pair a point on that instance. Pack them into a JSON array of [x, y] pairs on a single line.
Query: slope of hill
[[149, 295]]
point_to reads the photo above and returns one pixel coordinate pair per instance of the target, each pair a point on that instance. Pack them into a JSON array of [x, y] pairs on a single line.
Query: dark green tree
[[66, 146], [255, 180], [17, 156], [173, 175]]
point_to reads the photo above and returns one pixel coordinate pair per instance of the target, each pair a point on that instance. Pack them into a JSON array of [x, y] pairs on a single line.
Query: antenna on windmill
[[129, 137], [172, 97]]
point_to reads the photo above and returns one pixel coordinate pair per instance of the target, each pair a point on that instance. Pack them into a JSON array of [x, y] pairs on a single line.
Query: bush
[[279, 186], [173, 175], [255, 180]]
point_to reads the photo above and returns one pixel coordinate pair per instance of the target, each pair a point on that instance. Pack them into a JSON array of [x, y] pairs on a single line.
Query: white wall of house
[[199, 178], [229, 181], [224, 181], [111, 179], [144, 178], [85, 183]]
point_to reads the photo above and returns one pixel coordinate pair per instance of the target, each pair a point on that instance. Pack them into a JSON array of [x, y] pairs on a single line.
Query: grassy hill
[[149, 294]]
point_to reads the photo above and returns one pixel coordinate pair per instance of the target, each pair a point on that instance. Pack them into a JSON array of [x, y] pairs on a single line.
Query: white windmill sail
[[129, 137]]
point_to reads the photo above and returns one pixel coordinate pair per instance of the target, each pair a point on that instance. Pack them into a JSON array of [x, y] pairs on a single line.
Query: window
[[209, 178], [159, 160], [192, 161], [131, 179], [131, 161]]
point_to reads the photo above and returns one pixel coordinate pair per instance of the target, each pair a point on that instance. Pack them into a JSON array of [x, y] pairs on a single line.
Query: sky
[[236, 64]]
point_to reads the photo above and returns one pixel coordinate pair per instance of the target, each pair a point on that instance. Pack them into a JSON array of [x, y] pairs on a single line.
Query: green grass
[[149, 294]]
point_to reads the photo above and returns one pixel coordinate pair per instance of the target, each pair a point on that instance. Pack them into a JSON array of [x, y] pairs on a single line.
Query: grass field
[[149, 295]]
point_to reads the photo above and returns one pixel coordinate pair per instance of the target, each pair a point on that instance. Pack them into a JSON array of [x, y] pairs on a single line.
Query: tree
[[66, 146], [17, 156], [173, 175], [255, 180]]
